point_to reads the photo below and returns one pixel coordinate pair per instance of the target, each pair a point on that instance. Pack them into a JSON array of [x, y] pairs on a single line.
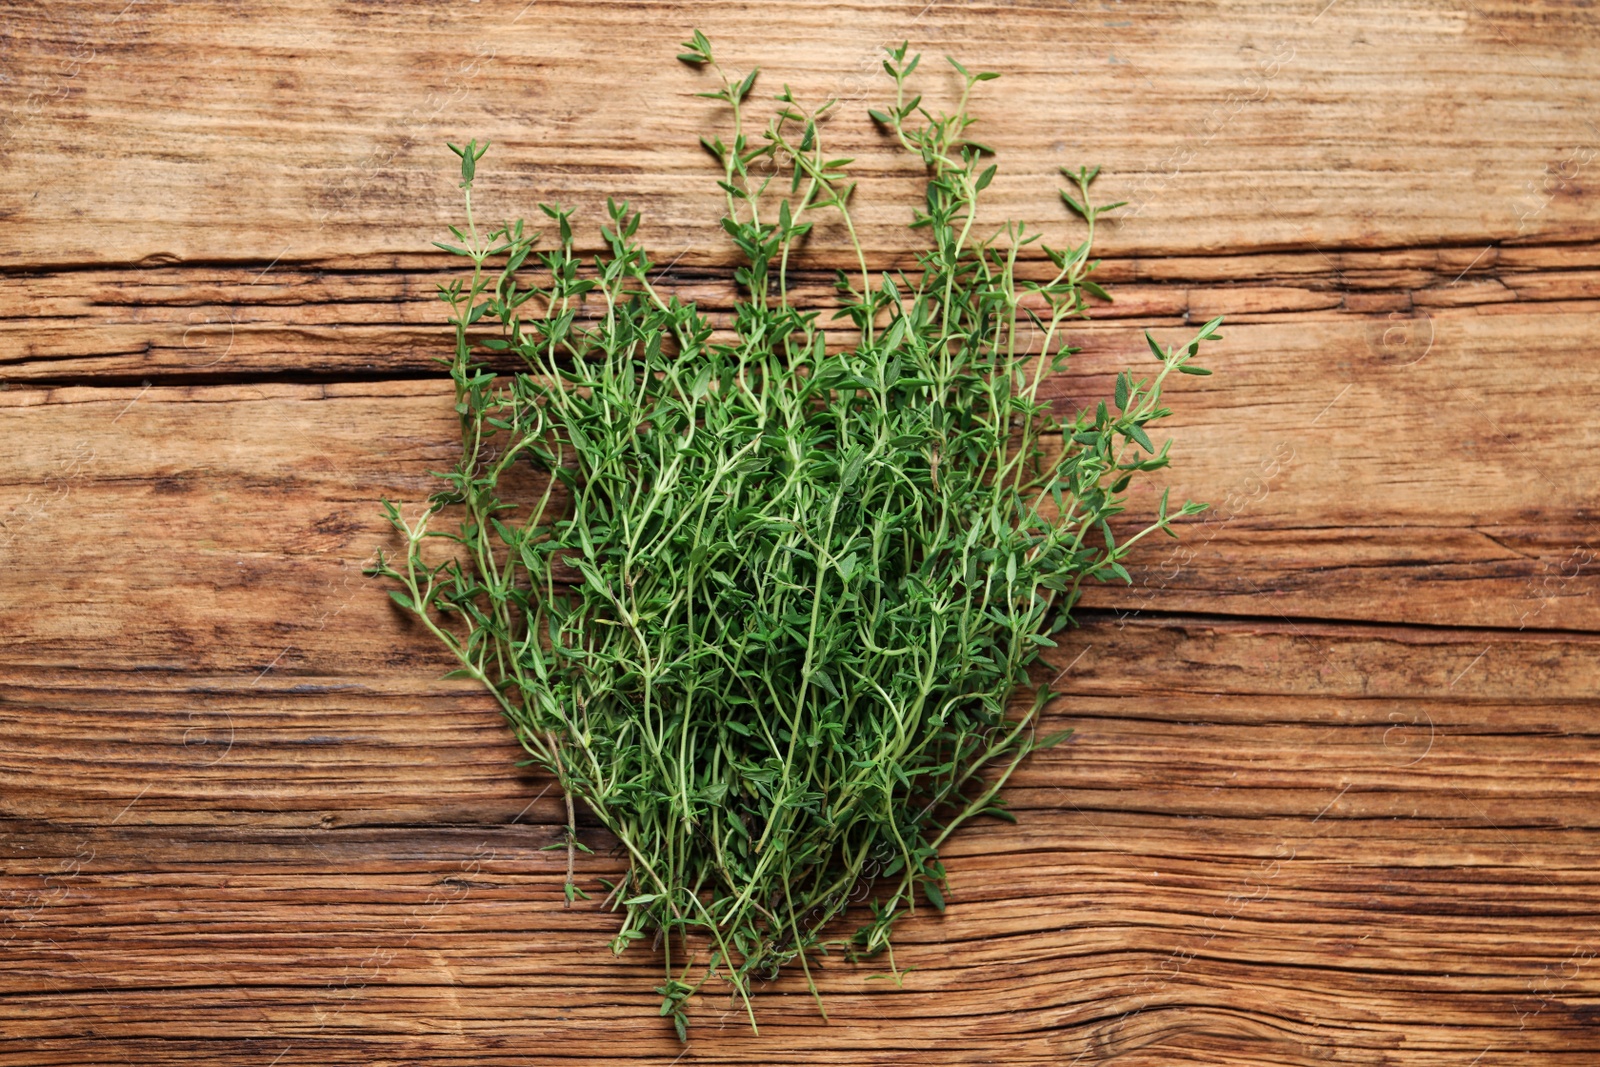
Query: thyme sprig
[[767, 612]]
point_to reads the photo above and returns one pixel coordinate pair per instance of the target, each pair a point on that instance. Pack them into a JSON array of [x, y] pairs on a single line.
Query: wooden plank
[[1345, 486], [381, 317], [158, 131], [316, 741], [1074, 945]]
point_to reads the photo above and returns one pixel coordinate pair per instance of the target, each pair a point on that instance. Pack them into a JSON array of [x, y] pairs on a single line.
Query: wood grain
[[1332, 793]]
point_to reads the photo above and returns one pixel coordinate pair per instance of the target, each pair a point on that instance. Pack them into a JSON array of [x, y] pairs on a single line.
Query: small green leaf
[[1051, 741], [1155, 348]]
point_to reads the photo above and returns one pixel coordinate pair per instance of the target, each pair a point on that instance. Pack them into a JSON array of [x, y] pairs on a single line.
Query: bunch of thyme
[[768, 611]]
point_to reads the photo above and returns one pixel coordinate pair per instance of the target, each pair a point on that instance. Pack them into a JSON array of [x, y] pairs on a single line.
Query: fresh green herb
[[766, 607]]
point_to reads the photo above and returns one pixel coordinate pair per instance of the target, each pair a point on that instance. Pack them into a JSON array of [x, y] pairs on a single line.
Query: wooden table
[[1333, 796]]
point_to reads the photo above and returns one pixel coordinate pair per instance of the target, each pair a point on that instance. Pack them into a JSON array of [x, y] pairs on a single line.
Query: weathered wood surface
[[1333, 796]]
